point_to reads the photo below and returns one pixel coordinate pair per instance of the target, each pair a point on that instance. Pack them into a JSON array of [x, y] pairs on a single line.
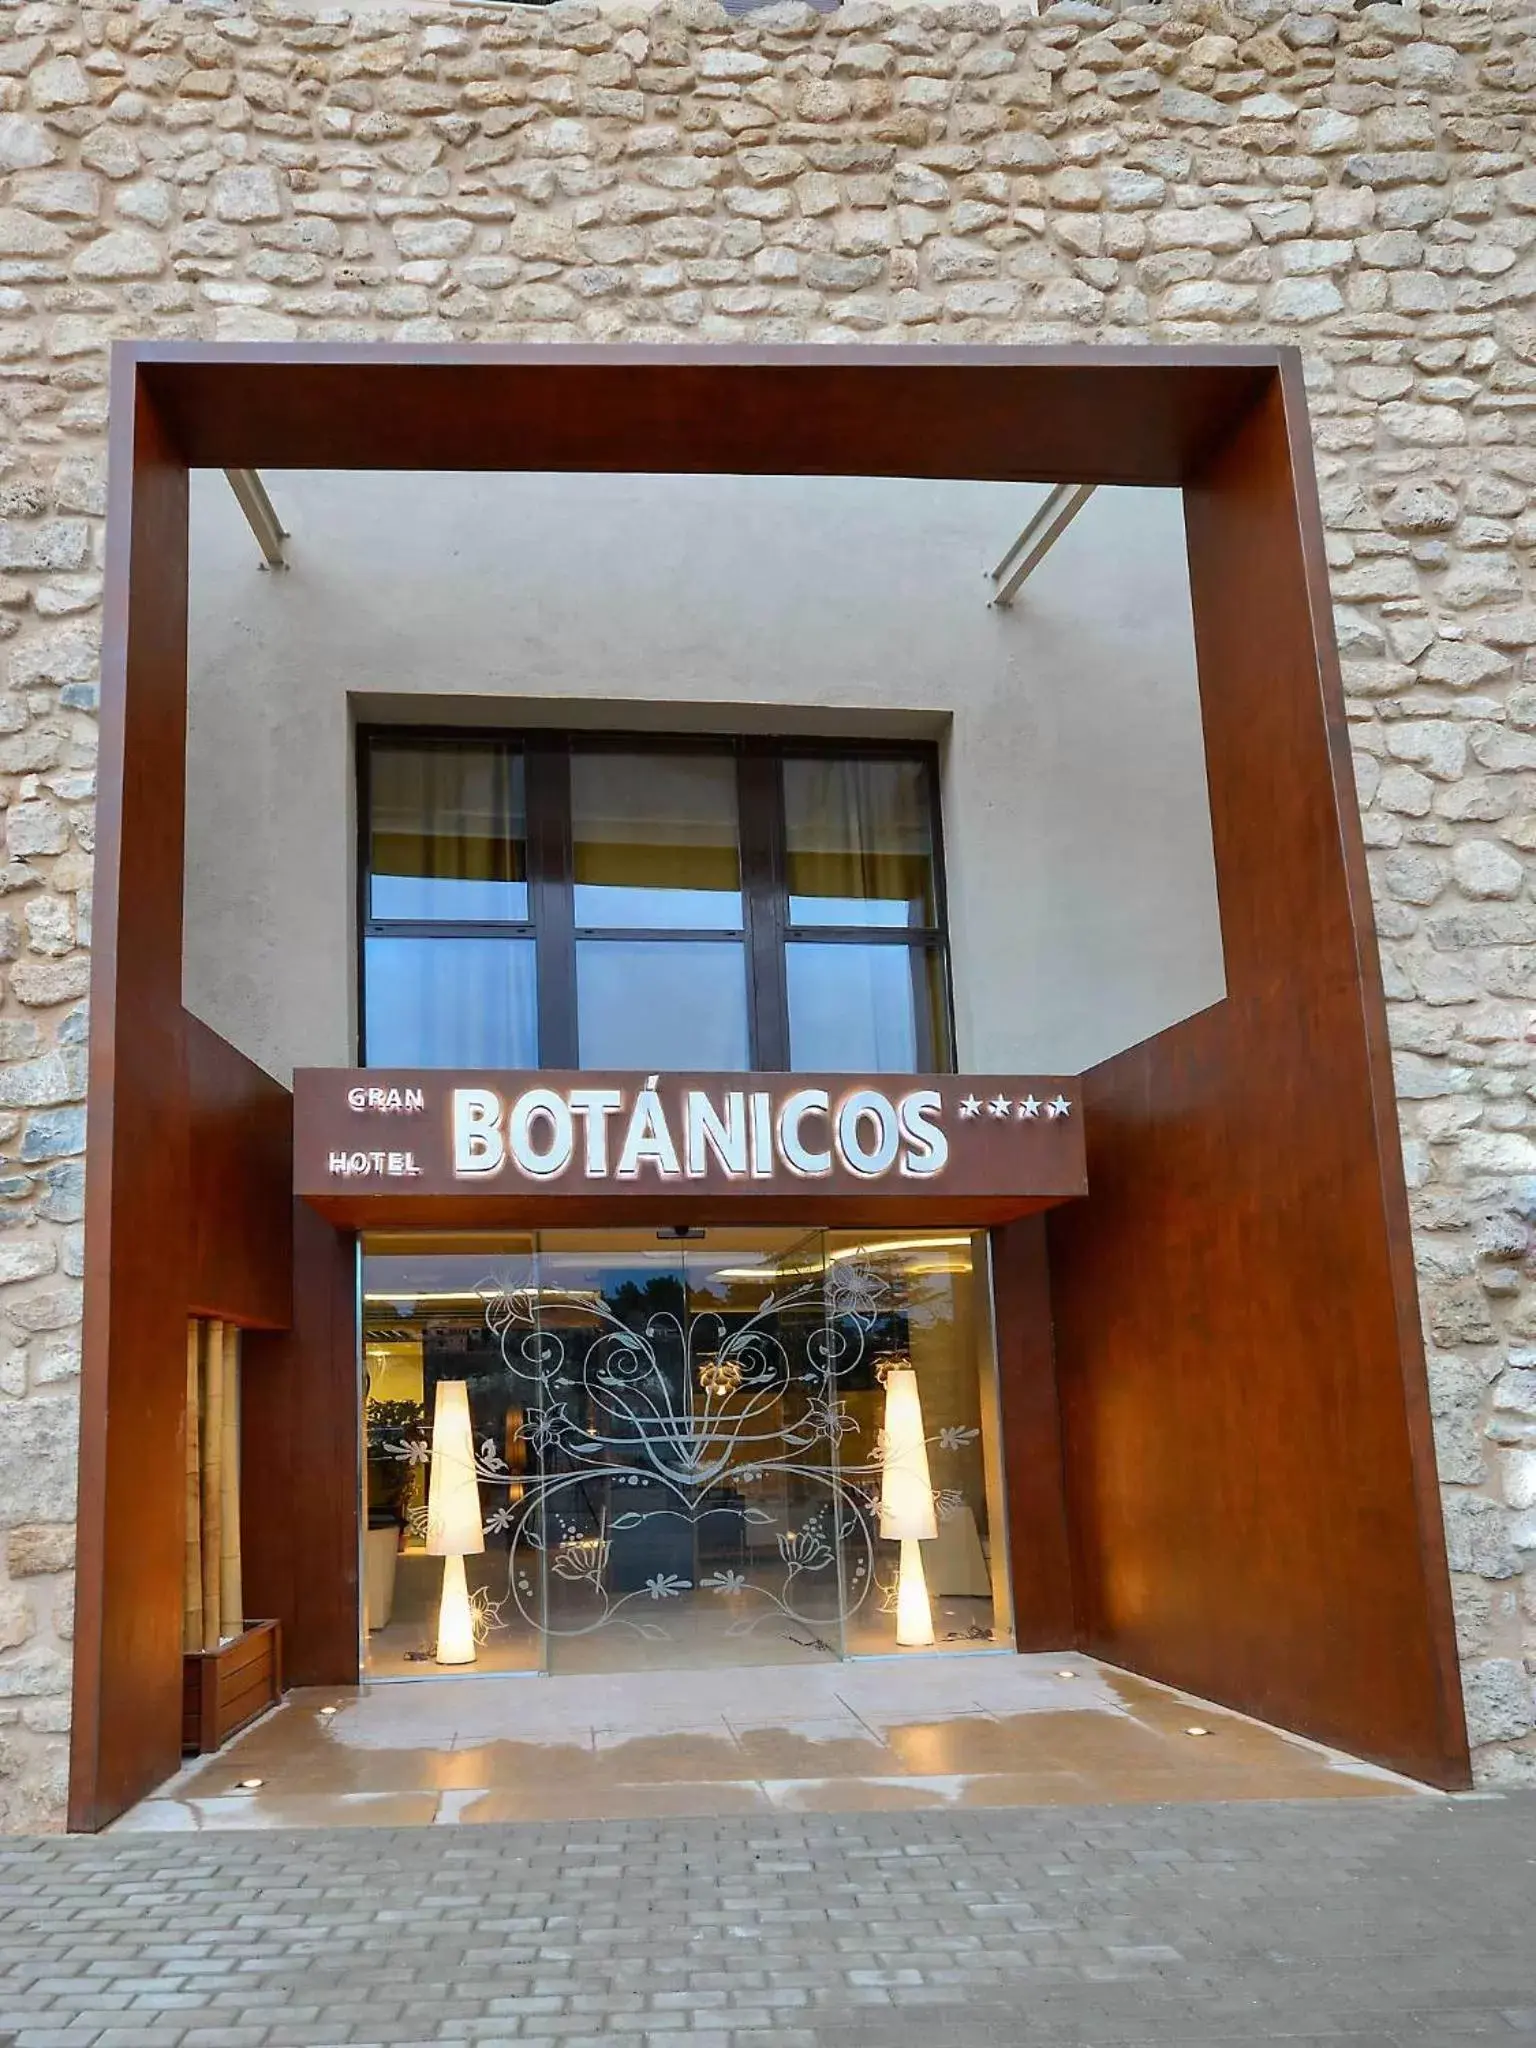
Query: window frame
[[766, 930]]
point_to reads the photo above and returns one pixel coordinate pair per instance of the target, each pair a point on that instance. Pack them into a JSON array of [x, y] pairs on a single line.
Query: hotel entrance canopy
[[1220, 1454]]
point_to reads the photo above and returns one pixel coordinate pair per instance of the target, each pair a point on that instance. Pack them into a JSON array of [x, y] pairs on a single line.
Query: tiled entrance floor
[[842, 1738]]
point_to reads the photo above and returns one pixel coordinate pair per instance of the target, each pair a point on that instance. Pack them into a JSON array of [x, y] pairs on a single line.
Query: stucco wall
[[1077, 843], [1358, 181]]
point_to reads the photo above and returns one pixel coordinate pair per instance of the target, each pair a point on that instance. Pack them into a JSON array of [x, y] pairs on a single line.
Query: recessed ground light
[[1066, 1674], [1197, 1731], [252, 1784], [327, 1710]]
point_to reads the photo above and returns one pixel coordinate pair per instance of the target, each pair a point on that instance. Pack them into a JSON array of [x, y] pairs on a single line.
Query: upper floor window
[[712, 907]]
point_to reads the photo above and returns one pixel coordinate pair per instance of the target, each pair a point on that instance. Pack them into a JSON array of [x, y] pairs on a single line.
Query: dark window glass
[[445, 1002], [448, 833], [865, 1009], [566, 903], [655, 842], [662, 1003], [858, 839]]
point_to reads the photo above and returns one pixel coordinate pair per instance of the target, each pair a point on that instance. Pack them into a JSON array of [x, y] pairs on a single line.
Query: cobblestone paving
[[1381, 1924]]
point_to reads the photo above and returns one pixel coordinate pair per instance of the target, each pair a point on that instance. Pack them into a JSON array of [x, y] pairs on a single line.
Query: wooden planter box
[[223, 1689]]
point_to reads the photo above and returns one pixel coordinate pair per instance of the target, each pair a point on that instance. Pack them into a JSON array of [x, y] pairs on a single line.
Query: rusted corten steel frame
[[1218, 1436]]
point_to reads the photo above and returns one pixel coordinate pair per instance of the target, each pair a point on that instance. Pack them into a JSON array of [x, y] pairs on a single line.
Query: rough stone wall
[[1358, 182]]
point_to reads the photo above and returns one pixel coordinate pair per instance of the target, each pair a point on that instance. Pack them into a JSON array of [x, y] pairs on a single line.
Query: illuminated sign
[[721, 1142], [739, 1132]]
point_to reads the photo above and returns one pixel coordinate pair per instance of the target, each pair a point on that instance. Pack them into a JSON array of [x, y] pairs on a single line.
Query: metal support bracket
[[251, 496], [1050, 522]]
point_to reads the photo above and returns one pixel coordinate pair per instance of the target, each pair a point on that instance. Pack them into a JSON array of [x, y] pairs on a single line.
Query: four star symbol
[[1027, 1109]]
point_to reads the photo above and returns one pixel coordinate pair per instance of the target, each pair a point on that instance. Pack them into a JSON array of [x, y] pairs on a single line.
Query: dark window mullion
[[946, 987], [660, 934], [426, 928], [550, 893], [863, 935], [364, 897], [760, 807]]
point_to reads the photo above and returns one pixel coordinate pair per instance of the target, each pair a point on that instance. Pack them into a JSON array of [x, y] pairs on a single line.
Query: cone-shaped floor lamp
[[454, 1528], [906, 1503]]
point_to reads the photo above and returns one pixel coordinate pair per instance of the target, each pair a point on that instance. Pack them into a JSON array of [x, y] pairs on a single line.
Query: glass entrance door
[[691, 1497], [727, 1448]]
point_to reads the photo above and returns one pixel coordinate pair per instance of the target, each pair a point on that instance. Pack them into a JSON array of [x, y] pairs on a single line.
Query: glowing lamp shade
[[906, 1504], [906, 1491], [453, 1518]]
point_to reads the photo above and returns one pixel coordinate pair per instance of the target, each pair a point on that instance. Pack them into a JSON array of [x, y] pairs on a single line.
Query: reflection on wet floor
[[935, 1732]]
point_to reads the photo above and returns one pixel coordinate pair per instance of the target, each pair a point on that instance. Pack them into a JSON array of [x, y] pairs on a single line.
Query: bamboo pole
[[231, 1596], [192, 1582], [213, 1488]]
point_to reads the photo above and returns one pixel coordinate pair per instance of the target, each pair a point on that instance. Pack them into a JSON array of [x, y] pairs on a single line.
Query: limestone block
[[434, 238], [108, 150], [1459, 1451], [48, 983], [123, 253], [1497, 1152], [1500, 1700], [50, 925], [1518, 1467], [1438, 746], [1510, 628], [58, 195], [1206, 299], [58, 82], [1515, 1391], [1421, 507], [1324, 129], [1484, 580], [26, 235], [25, 145], [1414, 877], [26, 1258], [1484, 869], [17, 1620], [1477, 1537], [35, 1549], [1462, 665], [38, 1448], [1192, 109], [35, 827], [148, 201], [1473, 1605], [35, 1673], [246, 192], [1296, 300], [1498, 748]]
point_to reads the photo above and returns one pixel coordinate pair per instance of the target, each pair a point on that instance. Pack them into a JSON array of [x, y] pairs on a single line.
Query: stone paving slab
[[939, 1733], [1336, 1924]]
